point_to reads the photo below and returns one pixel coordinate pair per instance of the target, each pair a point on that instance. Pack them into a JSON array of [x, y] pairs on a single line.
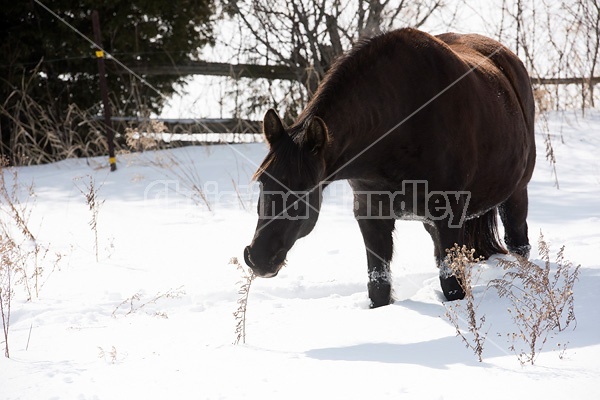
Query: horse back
[[474, 130], [487, 54], [504, 60]]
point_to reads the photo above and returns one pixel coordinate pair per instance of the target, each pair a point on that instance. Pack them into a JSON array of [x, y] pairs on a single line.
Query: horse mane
[[284, 157], [343, 67], [353, 68], [341, 76], [274, 158]]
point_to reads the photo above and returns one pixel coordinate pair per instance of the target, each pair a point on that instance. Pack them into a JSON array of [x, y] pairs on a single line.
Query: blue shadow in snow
[[438, 353], [442, 352]]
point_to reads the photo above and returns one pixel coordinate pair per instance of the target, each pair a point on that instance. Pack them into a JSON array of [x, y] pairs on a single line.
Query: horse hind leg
[[444, 238], [513, 213], [478, 233]]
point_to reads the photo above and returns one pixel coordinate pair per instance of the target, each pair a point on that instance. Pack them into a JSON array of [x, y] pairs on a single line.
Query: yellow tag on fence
[[99, 53]]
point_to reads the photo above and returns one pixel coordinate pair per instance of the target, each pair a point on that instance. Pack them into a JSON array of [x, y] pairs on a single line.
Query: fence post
[[110, 133]]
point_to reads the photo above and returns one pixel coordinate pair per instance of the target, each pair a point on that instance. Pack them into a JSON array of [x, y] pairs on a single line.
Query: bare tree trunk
[[373, 24]]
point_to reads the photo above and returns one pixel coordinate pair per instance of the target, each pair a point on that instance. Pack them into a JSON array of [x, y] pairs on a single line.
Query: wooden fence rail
[[271, 72], [193, 126], [286, 73]]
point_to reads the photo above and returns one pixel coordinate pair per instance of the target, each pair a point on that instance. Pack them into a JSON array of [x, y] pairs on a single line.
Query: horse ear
[[317, 135], [272, 126]]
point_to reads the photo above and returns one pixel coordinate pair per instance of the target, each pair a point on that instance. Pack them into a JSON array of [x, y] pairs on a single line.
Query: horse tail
[[481, 234]]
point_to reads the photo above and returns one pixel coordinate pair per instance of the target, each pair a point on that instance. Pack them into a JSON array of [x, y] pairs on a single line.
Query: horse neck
[[351, 132], [356, 114]]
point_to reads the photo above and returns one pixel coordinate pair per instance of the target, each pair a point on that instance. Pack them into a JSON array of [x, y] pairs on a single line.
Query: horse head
[[290, 190]]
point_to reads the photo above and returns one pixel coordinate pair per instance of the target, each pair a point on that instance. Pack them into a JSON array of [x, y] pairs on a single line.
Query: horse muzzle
[[268, 269]]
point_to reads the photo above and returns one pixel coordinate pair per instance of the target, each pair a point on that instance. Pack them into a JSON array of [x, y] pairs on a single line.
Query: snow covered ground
[[152, 319]]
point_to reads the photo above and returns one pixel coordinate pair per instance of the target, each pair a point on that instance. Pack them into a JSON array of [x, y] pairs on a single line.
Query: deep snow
[[95, 331]]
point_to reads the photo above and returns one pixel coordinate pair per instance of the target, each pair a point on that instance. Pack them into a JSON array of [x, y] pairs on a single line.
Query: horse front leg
[[447, 229], [445, 238], [376, 227]]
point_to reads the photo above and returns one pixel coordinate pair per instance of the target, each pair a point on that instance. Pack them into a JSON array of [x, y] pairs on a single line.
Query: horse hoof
[[452, 288], [380, 294], [380, 304], [522, 251]]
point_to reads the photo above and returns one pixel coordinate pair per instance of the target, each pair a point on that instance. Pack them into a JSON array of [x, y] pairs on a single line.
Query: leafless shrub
[[244, 291], [18, 216], [15, 229], [19, 248], [542, 301], [585, 16], [145, 136], [555, 40], [7, 270], [550, 156], [135, 303], [464, 312], [307, 37], [38, 135], [543, 100], [110, 355], [9, 196], [90, 191]]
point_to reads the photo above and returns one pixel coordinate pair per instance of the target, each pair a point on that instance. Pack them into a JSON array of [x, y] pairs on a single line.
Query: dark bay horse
[[435, 128]]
